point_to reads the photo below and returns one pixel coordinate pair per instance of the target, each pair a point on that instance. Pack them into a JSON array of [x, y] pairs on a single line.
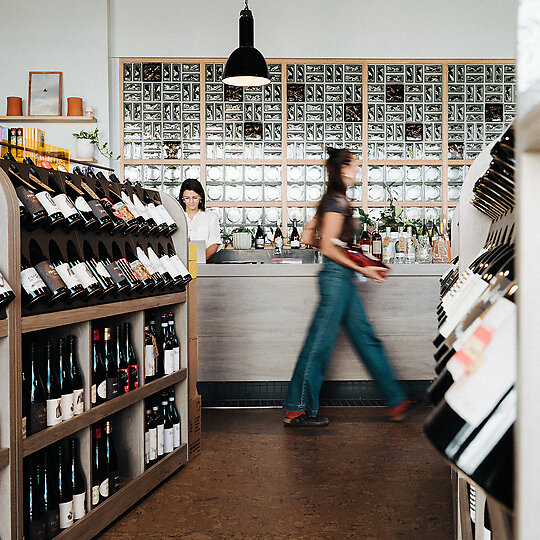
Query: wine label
[[259, 242], [402, 243], [95, 495], [115, 272], [160, 439], [130, 205], [78, 401], [168, 361], [67, 275], [152, 446], [140, 271], [84, 275], [176, 361], [44, 197], [377, 247], [124, 212], [52, 522], [176, 435], [49, 275], [79, 505], [154, 212], [38, 417], [133, 376], [98, 209], [126, 270], [65, 205], [149, 361], [93, 394], [102, 271], [295, 244], [112, 387], [82, 205], [365, 249], [123, 380], [165, 215], [141, 255], [107, 203], [488, 363], [31, 281], [155, 261], [114, 482], [168, 441], [66, 515], [102, 390], [104, 488], [67, 406], [170, 267], [141, 208], [4, 285], [146, 447], [29, 200], [278, 241], [54, 412], [175, 259]]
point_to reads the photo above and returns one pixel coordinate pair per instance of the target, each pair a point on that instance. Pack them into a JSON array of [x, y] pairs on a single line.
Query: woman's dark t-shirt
[[340, 205]]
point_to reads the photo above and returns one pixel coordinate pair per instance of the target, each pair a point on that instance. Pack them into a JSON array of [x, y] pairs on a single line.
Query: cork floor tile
[[360, 478]]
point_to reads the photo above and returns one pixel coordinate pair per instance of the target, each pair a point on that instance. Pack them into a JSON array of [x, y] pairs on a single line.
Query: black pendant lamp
[[246, 66]]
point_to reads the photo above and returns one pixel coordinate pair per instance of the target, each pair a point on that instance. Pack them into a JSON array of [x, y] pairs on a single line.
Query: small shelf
[[50, 119], [92, 524], [33, 323], [95, 414], [84, 160], [3, 328], [4, 457]]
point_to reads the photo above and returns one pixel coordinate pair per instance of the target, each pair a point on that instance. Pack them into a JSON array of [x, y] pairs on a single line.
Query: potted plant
[[242, 238], [85, 141]]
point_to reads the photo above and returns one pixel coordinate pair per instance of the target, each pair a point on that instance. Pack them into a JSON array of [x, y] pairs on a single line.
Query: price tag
[[386, 241], [402, 243]]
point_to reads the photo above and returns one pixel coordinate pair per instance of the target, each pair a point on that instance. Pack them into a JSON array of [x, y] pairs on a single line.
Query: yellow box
[[193, 251]]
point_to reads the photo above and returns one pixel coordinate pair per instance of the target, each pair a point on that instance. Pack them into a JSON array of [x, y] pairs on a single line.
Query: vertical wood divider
[[121, 62], [202, 96], [284, 176], [445, 142], [365, 168]]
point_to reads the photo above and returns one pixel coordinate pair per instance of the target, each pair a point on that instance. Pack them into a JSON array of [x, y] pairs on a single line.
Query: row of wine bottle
[[105, 465], [494, 192], [53, 386], [72, 206], [161, 350], [162, 433], [65, 279], [474, 395], [54, 490]]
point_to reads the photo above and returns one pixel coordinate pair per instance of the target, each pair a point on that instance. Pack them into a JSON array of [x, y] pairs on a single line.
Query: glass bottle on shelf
[[82, 271], [166, 346], [410, 257], [175, 418], [65, 489], [78, 481], [295, 236], [66, 382], [113, 470], [168, 426], [50, 494], [400, 247], [123, 366], [81, 203], [38, 393], [120, 281], [48, 274], [376, 243], [99, 373], [76, 376], [174, 343], [76, 290], [54, 391], [96, 266], [278, 240], [110, 365], [365, 240], [259, 237], [71, 215], [149, 356], [387, 248], [131, 359]]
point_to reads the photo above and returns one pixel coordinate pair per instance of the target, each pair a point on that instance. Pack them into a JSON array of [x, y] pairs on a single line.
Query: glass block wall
[[416, 126]]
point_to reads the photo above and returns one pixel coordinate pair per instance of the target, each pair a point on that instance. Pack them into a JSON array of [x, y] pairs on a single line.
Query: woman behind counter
[[202, 225]]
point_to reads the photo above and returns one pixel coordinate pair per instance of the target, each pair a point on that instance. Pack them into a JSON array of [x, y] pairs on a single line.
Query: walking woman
[[340, 304]]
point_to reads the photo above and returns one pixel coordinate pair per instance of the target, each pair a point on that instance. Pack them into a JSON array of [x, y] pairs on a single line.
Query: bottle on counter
[[387, 248], [410, 256], [365, 241], [278, 240], [400, 248], [295, 236], [377, 243], [259, 237]]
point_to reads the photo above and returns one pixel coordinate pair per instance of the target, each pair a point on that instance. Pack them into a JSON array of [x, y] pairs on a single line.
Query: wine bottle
[[78, 481], [103, 218], [164, 213], [170, 266], [160, 427], [175, 418], [99, 373], [25, 412], [35, 527], [72, 217], [33, 288], [365, 240], [152, 226], [66, 382], [152, 438], [6, 292], [89, 220], [134, 282], [387, 247], [123, 366], [112, 461], [168, 426], [146, 437], [76, 376], [54, 392], [50, 495], [166, 346], [410, 256], [45, 194], [38, 393], [295, 236], [100, 478], [26, 192], [75, 288], [131, 359], [82, 271], [174, 343], [65, 489], [121, 210], [142, 225], [139, 269], [157, 263], [110, 364], [179, 265], [159, 281], [118, 277], [149, 355], [96, 266], [376, 243], [401, 247], [48, 274], [259, 237], [162, 226], [278, 239]]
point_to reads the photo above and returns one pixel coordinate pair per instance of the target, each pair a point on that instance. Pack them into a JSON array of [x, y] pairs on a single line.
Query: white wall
[[84, 39]]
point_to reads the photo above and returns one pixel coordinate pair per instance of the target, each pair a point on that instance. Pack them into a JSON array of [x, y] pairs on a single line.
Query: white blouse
[[204, 226]]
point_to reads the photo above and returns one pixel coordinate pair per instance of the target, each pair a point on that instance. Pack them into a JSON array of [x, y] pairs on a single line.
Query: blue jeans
[[339, 304]]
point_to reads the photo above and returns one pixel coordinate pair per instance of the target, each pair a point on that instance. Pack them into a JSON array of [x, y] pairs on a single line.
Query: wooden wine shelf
[[91, 524], [33, 323], [95, 414], [50, 119], [3, 328], [4, 457]]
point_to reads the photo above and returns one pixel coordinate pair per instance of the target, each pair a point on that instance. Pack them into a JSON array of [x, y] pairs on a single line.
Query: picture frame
[[45, 93]]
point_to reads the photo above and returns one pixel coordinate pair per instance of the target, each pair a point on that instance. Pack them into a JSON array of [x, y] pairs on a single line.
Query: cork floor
[[361, 478]]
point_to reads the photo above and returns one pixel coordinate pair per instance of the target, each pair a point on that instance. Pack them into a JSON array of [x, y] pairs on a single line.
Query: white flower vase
[[241, 240], [84, 149]]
